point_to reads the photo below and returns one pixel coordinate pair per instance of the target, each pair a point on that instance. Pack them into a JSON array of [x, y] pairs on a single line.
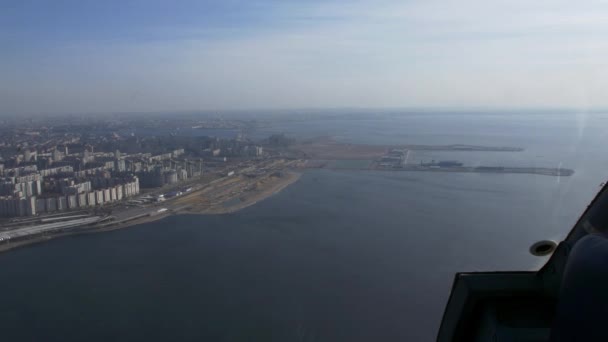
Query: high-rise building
[[99, 197], [91, 199], [21, 206], [62, 203], [171, 177], [29, 189], [182, 174], [106, 196], [3, 210], [113, 196], [119, 192], [30, 209], [120, 165], [38, 186], [72, 201], [56, 155], [41, 205], [82, 200], [51, 204]]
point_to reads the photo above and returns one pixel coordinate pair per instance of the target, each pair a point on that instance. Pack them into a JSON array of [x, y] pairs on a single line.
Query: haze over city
[[90, 56], [303, 170]]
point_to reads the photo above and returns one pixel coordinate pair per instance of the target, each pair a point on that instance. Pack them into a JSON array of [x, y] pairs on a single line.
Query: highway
[[217, 190], [46, 228]]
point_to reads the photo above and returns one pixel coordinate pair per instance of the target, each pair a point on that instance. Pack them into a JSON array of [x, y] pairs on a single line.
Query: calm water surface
[[338, 256]]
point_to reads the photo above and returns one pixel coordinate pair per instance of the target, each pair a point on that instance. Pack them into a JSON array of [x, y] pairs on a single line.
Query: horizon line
[[293, 110]]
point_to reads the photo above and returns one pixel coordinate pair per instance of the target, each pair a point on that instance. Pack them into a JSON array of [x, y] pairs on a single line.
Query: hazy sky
[[98, 56]]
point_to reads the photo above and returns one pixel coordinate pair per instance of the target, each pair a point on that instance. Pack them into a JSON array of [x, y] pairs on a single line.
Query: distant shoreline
[[229, 194], [329, 148], [262, 192]]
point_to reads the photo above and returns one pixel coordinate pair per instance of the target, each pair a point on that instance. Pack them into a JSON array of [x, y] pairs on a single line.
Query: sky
[[121, 56]]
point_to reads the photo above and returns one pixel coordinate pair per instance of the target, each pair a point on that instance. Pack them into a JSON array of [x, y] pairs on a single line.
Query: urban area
[[74, 175], [80, 174]]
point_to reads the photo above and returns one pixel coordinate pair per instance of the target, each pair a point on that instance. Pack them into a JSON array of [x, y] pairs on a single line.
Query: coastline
[[195, 203], [226, 192]]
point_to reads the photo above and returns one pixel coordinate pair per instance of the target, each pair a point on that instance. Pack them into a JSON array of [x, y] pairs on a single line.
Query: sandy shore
[[249, 194], [223, 196]]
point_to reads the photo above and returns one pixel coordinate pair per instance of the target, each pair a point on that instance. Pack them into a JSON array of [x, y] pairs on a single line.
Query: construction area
[[226, 190]]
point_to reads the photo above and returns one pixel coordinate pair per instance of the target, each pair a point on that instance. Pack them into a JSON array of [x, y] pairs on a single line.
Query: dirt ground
[[327, 148]]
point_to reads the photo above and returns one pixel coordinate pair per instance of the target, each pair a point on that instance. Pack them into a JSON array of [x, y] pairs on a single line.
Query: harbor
[[399, 159]]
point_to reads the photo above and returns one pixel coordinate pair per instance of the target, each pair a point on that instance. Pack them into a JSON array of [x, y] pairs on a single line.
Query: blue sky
[[108, 56]]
